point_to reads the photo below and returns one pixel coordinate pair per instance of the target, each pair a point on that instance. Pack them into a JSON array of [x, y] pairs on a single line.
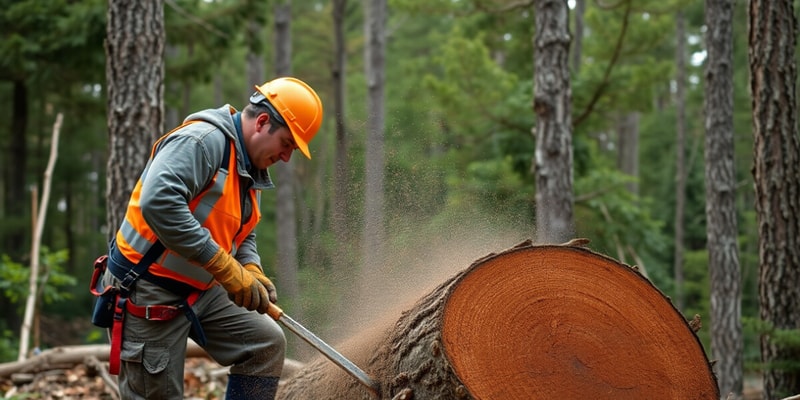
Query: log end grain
[[547, 322]]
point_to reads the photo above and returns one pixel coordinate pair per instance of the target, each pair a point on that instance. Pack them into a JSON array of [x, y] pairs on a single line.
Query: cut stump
[[532, 322]]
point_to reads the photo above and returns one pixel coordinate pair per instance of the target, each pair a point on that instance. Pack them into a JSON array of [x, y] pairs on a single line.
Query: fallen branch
[[68, 356], [30, 303], [102, 370]]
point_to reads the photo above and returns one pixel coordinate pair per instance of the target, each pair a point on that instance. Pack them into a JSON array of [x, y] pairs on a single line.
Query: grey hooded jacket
[[184, 164]]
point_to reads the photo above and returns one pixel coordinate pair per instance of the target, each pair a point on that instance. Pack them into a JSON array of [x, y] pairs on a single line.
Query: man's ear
[[262, 119]]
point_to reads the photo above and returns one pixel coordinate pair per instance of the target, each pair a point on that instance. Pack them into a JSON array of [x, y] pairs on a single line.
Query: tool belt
[[112, 303]]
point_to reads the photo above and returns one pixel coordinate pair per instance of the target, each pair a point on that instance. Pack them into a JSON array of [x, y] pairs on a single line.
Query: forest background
[[458, 146]]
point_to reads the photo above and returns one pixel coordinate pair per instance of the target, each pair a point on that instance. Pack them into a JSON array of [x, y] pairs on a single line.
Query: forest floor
[[203, 379]]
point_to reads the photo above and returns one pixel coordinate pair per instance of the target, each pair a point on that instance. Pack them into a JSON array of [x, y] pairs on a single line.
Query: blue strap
[[198, 334], [127, 282]]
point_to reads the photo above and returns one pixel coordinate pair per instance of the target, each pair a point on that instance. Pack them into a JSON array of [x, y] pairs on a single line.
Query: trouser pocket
[[145, 373]]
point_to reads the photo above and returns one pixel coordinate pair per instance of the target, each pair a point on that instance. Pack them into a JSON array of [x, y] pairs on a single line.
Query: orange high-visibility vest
[[217, 208]]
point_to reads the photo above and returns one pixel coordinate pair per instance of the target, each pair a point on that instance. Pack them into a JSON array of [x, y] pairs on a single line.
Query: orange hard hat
[[297, 104]]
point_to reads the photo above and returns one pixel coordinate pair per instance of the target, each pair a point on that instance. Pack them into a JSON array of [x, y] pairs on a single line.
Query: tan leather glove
[[258, 273], [242, 286]]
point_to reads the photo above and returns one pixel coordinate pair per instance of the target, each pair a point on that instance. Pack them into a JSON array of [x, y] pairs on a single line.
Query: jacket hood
[[222, 118]]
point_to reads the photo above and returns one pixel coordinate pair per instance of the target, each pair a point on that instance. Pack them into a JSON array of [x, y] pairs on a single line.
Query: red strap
[[153, 313], [192, 298], [116, 336], [160, 312]]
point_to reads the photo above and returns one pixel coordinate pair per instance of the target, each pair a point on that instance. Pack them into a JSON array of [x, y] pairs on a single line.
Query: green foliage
[[42, 39], [636, 77], [492, 187], [97, 335], [696, 286], [14, 278], [786, 339], [467, 82], [52, 286], [9, 345], [615, 219]]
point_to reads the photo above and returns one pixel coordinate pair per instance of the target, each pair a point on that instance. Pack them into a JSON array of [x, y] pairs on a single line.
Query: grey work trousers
[[153, 352]]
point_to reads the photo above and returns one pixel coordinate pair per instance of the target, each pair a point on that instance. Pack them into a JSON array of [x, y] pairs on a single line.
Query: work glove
[[242, 286], [258, 273]]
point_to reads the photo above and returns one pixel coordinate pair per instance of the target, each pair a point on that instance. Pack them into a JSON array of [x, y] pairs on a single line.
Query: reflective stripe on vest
[[218, 208]]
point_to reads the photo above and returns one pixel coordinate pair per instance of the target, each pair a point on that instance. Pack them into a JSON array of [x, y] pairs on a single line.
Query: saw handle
[[274, 311]]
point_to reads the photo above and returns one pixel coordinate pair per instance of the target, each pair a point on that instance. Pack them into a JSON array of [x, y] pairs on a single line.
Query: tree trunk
[[285, 210], [680, 155], [628, 155], [553, 132], [577, 48], [340, 173], [135, 82], [14, 179], [533, 322], [15, 194], [727, 341], [776, 169], [374, 234]]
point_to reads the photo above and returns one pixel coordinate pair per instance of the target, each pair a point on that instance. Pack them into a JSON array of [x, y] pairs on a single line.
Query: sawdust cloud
[[414, 266]]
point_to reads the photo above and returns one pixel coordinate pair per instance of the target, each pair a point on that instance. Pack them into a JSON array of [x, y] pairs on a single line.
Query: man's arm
[[180, 171], [248, 252]]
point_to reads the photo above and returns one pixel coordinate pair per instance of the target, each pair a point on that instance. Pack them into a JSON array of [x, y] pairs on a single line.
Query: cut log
[[532, 322]]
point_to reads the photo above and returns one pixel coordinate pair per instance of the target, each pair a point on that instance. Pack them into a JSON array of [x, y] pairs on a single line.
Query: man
[[185, 256]]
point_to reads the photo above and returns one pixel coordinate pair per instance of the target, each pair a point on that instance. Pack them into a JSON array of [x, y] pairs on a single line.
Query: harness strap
[[153, 312], [116, 335], [197, 329], [161, 312], [150, 313]]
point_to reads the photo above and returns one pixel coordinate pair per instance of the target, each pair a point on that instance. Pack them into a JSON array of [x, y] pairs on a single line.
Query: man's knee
[[266, 349]]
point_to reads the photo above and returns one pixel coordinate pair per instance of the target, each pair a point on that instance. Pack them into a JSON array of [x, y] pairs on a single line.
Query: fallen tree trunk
[[533, 322], [69, 356]]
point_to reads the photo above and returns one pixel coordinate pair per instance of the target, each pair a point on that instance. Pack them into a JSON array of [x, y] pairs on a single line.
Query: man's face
[[267, 148]]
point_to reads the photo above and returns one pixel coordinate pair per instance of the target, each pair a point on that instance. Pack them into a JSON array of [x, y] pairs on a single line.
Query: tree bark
[[135, 82], [553, 132], [286, 211], [577, 48], [12, 207], [776, 169], [680, 155], [628, 154], [727, 342], [374, 234], [532, 322], [15, 177], [339, 211]]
